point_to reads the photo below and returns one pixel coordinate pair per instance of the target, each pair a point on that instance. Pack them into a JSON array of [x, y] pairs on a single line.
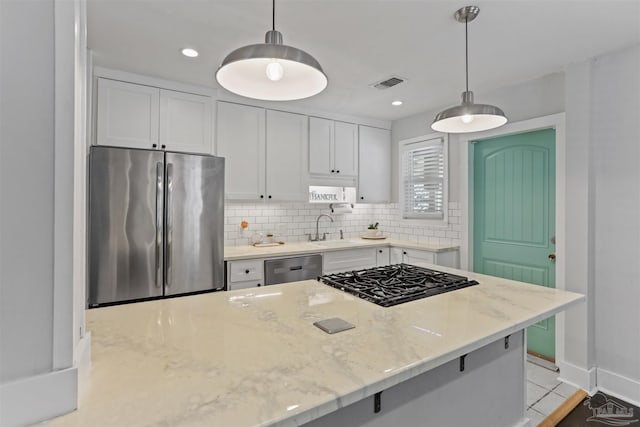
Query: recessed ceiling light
[[191, 53], [396, 103]]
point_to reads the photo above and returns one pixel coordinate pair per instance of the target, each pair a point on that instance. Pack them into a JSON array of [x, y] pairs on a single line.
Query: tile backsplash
[[290, 222]]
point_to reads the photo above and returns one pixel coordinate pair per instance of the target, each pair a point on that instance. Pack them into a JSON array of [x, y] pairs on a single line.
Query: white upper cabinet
[[185, 122], [138, 116], [333, 148], [320, 145], [241, 141], [346, 149], [374, 176], [127, 114], [265, 151], [287, 142]]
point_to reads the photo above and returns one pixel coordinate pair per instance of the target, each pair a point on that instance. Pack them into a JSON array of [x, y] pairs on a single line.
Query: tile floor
[[544, 392]]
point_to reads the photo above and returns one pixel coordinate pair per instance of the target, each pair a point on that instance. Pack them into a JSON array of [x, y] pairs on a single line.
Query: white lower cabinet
[[413, 256], [382, 256], [352, 259], [245, 274], [395, 255], [416, 256]]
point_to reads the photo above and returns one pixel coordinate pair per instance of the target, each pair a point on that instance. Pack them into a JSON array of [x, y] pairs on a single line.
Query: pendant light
[[271, 70], [468, 117]]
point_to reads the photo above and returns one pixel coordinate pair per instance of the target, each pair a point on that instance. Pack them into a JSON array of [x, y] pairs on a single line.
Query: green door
[[514, 216]]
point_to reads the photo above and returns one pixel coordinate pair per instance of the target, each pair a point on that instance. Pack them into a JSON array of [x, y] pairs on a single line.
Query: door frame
[[554, 121]]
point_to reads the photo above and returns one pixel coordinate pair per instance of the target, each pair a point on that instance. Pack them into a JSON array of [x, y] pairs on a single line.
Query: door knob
[[552, 257]]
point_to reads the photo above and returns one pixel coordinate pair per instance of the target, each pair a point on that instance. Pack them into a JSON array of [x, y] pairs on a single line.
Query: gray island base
[[485, 388]]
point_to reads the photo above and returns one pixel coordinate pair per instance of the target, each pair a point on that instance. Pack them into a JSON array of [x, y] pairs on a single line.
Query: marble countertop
[[252, 357], [232, 253]]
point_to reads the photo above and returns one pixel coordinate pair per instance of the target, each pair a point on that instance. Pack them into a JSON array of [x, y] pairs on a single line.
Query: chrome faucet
[[324, 235]]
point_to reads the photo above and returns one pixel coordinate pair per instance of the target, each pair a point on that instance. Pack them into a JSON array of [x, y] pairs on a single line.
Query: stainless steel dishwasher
[[283, 270]]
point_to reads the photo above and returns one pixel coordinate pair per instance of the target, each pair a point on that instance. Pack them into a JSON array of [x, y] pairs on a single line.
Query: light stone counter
[[253, 357], [232, 253]]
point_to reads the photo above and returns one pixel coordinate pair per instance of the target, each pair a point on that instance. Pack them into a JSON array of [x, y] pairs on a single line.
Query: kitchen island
[[254, 358]]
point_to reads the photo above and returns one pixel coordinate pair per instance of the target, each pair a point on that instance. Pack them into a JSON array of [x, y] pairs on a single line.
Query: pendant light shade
[[271, 71], [468, 116]]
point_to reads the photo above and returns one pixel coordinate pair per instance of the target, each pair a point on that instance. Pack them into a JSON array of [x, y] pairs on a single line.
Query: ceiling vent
[[388, 82]]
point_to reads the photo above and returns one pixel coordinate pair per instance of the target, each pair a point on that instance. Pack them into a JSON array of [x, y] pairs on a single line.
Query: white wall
[[26, 188], [615, 141], [579, 322], [36, 189]]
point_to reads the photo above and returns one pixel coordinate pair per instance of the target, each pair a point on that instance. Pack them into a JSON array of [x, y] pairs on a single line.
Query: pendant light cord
[[466, 50], [273, 15]]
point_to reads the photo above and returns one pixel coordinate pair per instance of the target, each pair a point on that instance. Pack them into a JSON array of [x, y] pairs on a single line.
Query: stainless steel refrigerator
[[156, 224]]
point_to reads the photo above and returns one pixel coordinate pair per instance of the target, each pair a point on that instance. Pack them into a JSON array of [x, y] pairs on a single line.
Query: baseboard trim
[[525, 422], [619, 386], [83, 354], [38, 398], [83, 362], [577, 376]]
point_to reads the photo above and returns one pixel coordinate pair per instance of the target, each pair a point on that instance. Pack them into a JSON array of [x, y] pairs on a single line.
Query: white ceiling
[[359, 42]]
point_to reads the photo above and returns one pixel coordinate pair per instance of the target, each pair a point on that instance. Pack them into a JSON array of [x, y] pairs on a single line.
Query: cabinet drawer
[[242, 271], [233, 286]]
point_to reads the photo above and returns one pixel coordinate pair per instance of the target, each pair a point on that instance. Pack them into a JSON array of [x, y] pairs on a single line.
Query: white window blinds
[[424, 180]]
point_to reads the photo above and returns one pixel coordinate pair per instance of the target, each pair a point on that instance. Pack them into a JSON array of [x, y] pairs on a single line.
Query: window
[[424, 179]]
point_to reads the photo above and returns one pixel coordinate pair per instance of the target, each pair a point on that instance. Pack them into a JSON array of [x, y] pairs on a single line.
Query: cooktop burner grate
[[396, 284]]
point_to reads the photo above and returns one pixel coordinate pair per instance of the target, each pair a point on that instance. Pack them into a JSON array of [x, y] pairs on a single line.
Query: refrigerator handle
[[169, 216], [159, 209]]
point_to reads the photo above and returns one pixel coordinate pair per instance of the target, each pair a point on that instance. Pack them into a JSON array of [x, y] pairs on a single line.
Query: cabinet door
[[395, 255], [185, 122], [320, 146], [382, 257], [241, 141], [414, 256], [353, 259], [287, 142], [127, 114], [374, 177], [346, 149]]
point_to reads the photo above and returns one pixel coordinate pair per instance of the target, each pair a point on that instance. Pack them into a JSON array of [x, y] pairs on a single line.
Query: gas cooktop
[[396, 284]]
